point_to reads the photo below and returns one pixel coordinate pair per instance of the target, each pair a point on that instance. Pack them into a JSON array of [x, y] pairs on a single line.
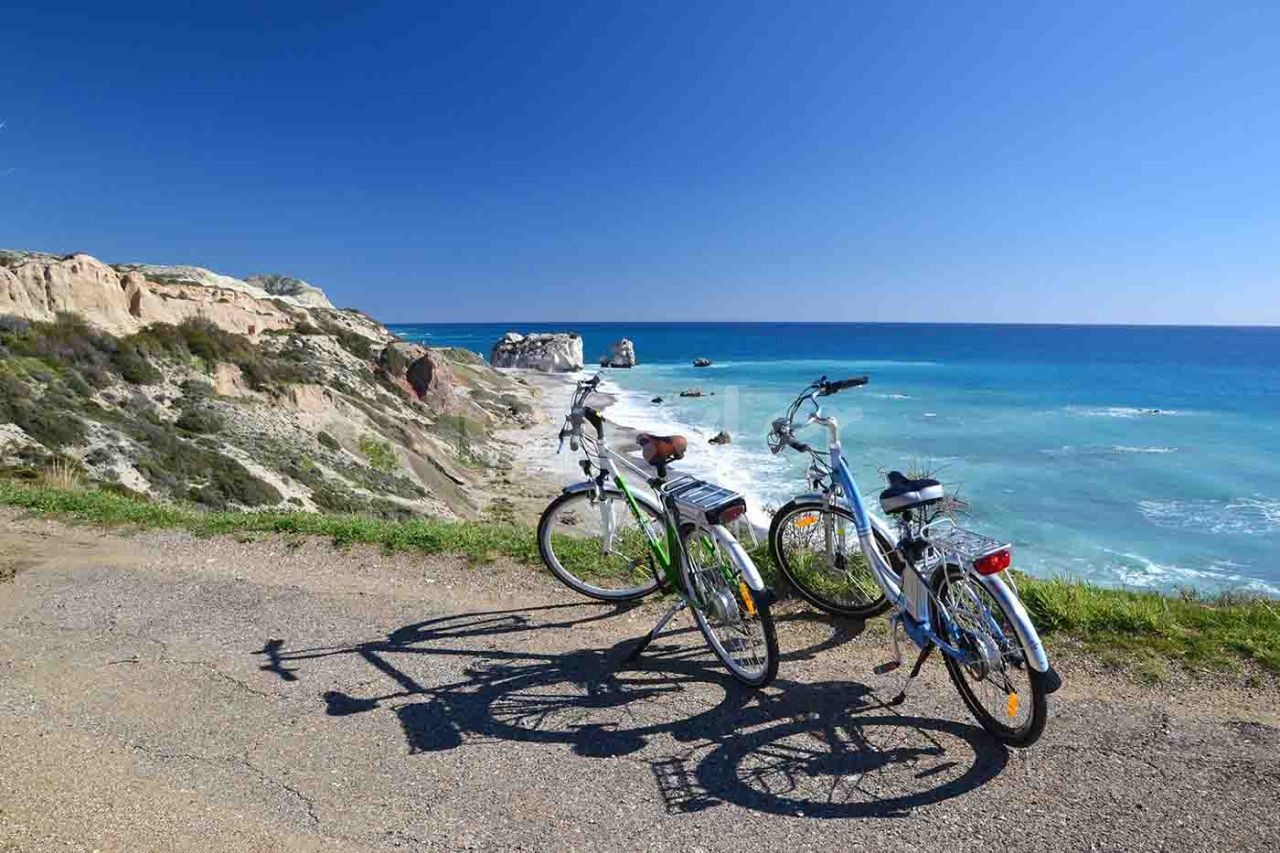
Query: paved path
[[160, 692]]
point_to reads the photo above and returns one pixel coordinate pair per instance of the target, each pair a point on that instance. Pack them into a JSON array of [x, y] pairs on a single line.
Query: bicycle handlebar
[[579, 412], [825, 388], [783, 432]]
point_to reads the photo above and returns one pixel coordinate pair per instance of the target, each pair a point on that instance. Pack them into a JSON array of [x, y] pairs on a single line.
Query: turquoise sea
[[1134, 456]]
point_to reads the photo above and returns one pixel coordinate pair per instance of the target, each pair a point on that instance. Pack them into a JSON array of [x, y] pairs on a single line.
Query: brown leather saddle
[[658, 450]]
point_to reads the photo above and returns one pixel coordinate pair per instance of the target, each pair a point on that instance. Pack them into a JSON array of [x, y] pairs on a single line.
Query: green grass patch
[[1145, 631], [478, 541]]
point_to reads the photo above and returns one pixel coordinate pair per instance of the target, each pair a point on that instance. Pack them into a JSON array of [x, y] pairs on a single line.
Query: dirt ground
[[159, 692]]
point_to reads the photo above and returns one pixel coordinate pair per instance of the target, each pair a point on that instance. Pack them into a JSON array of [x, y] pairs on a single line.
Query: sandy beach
[[535, 448]]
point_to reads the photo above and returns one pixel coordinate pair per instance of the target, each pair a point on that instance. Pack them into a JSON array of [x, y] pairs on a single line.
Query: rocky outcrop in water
[[702, 362], [549, 352], [721, 437], [621, 354]]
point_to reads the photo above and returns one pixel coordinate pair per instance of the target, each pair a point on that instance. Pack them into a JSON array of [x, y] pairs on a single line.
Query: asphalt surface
[[159, 692]]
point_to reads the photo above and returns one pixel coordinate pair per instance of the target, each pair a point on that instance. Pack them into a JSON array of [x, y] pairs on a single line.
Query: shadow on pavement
[[828, 750]]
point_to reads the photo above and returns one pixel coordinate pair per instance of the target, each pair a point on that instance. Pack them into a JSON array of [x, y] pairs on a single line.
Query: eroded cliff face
[[126, 298], [181, 383]]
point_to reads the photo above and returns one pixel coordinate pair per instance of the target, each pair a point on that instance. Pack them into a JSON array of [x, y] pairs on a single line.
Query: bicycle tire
[[547, 533], [806, 586], [744, 599]]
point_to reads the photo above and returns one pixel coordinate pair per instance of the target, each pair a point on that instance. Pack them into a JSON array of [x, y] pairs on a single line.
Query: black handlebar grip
[[851, 382], [593, 417]]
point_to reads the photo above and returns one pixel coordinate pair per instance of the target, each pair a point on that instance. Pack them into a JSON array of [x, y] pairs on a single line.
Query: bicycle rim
[[734, 619], [999, 688], [597, 547], [818, 550]]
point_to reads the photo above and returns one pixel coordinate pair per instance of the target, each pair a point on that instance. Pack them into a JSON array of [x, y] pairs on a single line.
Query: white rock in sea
[[621, 354], [549, 352]]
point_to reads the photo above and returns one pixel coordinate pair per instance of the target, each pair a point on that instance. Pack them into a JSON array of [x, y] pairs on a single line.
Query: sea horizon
[[567, 325]]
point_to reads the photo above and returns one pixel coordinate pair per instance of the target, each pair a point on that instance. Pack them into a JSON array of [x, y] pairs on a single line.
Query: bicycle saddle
[[661, 449], [904, 494]]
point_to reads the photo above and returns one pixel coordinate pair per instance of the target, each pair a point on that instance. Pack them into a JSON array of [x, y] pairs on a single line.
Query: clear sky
[[1021, 162]]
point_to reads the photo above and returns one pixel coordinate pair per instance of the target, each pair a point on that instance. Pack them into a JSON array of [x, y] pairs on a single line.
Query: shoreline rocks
[[721, 437], [548, 352], [621, 354]]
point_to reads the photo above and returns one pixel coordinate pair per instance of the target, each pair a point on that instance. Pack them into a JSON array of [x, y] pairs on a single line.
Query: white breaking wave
[[1097, 450], [1121, 412], [757, 476], [1137, 570], [1243, 516]]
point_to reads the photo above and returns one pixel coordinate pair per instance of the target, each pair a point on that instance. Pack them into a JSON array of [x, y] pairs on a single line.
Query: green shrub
[[50, 420], [200, 420], [181, 466], [133, 366], [327, 441], [68, 342], [196, 389], [379, 454]]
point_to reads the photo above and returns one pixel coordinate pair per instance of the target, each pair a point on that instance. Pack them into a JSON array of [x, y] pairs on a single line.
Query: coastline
[[543, 472], [534, 448]]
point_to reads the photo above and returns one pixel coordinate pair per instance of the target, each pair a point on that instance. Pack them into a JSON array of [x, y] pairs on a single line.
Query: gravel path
[[160, 692]]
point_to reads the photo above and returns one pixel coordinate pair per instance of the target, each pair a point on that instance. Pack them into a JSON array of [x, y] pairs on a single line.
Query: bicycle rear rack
[[963, 545], [696, 497]]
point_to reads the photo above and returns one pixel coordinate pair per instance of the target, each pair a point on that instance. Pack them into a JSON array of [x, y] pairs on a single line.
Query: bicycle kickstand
[[648, 638], [915, 670]]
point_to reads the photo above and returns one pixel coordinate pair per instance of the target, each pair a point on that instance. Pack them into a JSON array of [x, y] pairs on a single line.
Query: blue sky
[[1013, 162]]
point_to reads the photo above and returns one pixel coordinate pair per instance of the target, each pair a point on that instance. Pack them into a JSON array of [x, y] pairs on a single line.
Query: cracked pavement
[[162, 692]]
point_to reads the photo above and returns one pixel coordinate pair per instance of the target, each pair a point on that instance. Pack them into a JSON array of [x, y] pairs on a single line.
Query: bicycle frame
[[911, 598], [667, 549]]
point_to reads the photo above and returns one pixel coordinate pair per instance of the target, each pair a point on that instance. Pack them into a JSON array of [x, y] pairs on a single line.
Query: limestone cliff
[[182, 383]]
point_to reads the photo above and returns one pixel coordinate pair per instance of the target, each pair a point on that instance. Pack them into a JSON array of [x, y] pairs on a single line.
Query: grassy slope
[[1127, 626]]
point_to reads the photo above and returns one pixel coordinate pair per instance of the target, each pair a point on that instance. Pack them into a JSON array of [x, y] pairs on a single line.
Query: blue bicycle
[[946, 586]]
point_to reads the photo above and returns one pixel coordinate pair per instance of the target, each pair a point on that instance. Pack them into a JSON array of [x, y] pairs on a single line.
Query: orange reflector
[[746, 597], [1013, 705], [807, 521]]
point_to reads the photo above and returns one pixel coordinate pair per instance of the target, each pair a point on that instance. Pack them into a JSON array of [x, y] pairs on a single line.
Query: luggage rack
[[697, 497], [959, 542]]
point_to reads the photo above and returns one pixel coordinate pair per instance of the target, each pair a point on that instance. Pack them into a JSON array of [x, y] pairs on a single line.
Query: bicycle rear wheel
[[735, 620], [816, 548], [595, 546], [1004, 694]]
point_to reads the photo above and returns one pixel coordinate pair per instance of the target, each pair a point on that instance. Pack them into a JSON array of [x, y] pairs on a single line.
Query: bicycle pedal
[[887, 667]]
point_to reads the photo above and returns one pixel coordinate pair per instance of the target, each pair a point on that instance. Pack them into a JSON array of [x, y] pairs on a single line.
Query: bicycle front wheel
[[596, 546], [816, 548], [735, 619], [997, 684]]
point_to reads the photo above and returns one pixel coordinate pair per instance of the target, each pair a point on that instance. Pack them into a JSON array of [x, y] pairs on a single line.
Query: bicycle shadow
[[828, 750]]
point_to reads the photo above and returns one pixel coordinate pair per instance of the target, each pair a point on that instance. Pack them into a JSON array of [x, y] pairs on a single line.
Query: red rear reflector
[[732, 513], [995, 562]]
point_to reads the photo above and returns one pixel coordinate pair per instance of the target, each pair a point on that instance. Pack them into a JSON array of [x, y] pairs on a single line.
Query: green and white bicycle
[[607, 541]]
